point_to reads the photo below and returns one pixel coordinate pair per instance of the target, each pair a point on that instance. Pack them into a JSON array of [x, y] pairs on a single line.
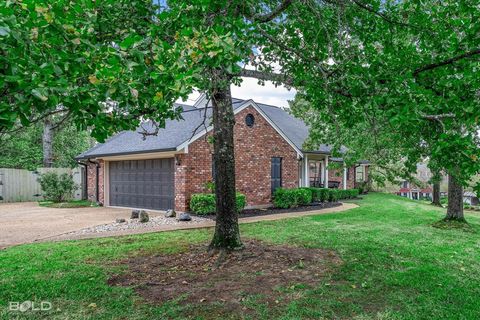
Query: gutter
[[99, 155]]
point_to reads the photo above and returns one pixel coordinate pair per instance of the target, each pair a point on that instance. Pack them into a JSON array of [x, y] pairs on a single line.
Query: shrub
[[337, 194], [57, 188], [204, 203], [241, 201], [322, 194], [333, 195], [291, 198], [354, 193]]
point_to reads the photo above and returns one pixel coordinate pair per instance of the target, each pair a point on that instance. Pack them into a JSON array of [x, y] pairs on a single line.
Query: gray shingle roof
[[177, 132]]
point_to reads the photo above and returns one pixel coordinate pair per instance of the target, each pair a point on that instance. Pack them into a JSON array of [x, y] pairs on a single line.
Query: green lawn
[[395, 266], [68, 204]]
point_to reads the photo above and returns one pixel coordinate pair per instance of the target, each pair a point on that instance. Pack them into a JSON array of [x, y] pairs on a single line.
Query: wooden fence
[[18, 185]]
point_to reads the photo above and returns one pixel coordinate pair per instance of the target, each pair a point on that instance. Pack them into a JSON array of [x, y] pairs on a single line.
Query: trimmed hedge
[[290, 198], [204, 203]]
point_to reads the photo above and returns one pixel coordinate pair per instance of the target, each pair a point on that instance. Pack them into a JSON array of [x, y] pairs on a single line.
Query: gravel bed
[[134, 224], [160, 220]]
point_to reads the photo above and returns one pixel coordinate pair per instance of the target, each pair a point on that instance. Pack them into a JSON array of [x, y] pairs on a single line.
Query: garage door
[[145, 184]]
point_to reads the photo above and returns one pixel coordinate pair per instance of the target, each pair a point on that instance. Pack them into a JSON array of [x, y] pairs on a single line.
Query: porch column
[[306, 180], [344, 177], [326, 172]]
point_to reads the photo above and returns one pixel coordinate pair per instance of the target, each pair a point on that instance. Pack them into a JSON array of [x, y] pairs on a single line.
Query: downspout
[[85, 177], [97, 167]]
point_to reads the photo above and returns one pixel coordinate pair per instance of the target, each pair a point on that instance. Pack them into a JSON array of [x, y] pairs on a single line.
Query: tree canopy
[[403, 87], [389, 72]]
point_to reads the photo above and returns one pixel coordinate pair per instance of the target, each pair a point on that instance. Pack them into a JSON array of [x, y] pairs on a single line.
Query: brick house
[[163, 171], [412, 191]]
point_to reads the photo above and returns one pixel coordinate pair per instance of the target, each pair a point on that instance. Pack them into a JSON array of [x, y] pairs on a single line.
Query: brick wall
[[254, 148], [91, 182], [337, 175]]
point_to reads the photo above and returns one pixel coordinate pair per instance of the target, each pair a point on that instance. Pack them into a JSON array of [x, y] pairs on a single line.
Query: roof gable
[[178, 134]]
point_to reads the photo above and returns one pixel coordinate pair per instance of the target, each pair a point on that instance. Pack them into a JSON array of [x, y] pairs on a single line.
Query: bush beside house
[[57, 187], [288, 198], [204, 203], [291, 198]]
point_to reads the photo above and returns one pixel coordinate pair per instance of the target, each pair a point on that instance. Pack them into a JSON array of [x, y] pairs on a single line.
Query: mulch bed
[[223, 282], [269, 211]]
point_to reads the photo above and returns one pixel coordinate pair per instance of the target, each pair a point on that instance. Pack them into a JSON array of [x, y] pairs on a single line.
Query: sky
[[250, 89]]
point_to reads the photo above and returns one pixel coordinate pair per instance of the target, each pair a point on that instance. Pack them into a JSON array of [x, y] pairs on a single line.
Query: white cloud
[[250, 89]]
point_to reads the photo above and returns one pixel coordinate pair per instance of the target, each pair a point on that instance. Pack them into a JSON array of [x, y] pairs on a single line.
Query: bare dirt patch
[[263, 271]]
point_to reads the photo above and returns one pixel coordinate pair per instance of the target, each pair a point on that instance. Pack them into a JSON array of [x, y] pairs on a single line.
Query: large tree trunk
[[227, 233], [436, 194], [455, 200], [435, 180], [47, 143]]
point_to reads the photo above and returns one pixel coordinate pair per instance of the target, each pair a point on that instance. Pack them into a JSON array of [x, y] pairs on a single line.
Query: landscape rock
[[184, 217], [170, 213], [143, 216], [135, 214], [120, 220]]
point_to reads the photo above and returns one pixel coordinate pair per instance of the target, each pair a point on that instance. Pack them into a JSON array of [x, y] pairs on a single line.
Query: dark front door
[[276, 175], [143, 184]]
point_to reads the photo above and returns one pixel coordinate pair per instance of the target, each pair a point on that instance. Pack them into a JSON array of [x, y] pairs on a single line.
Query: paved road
[[26, 222]]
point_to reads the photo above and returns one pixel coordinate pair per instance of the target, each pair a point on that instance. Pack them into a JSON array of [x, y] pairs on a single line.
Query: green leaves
[[4, 31], [40, 94]]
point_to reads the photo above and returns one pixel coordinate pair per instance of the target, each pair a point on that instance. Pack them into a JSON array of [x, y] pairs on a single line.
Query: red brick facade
[[254, 148], [337, 175], [91, 182]]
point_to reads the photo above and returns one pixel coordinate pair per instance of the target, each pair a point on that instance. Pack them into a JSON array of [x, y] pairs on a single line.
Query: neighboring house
[[163, 171], [414, 192], [470, 198]]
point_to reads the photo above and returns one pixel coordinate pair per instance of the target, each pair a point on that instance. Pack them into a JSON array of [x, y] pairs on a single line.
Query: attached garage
[[143, 184]]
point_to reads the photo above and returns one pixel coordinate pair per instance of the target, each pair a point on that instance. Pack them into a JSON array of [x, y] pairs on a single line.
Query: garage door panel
[[147, 184]]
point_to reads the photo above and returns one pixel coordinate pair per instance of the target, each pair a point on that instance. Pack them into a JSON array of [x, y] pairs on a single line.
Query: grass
[[395, 266], [68, 204]]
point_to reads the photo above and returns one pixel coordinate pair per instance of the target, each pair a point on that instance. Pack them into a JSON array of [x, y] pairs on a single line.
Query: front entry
[[142, 184], [315, 173]]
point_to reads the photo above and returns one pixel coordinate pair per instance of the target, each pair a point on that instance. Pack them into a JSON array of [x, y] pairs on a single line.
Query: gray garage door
[[146, 184]]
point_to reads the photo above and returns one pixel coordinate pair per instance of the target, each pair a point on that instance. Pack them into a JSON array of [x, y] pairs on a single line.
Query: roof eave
[[92, 156]]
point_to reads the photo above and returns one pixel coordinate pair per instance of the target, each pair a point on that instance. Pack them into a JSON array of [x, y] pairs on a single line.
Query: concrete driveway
[[26, 222]]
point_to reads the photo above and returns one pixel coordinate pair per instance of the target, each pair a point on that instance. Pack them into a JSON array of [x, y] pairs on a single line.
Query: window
[[405, 184], [250, 120], [359, 174], [276, 173]]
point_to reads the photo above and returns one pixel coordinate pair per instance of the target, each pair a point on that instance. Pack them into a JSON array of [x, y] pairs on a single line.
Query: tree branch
[[382, 15], [267, 76], [446, 62], [272, 14], [438, 118], [298, 53]]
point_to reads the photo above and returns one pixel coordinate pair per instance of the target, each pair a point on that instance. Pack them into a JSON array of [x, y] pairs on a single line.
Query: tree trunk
[[455, 200], [436, 194], [227, 233], [47, 141]]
